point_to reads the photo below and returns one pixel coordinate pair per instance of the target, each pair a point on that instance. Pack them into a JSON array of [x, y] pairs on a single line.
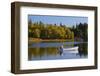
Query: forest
[[40, 30]]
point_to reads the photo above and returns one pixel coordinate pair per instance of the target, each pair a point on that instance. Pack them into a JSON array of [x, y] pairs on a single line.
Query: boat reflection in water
[[57, 50], [79, 49], [68, 50]]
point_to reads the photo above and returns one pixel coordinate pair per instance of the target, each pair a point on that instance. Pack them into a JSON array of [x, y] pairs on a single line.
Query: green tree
[[36, 33], [49, 31]]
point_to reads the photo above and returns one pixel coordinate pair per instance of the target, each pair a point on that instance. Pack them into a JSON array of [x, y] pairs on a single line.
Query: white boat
[[70, 50]]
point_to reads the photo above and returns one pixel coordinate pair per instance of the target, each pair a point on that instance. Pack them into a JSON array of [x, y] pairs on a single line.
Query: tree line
[[54, 31], [81, 31]]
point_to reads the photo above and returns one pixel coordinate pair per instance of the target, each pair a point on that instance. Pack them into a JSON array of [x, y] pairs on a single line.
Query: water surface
[[50, 50]]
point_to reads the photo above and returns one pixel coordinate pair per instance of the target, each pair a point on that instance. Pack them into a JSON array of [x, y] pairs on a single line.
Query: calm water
[[50, 50]]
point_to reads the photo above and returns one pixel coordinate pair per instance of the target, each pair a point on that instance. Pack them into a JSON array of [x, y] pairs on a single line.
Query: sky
[[65, 20]]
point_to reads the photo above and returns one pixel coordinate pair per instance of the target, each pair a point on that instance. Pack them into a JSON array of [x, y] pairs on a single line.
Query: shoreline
[[31, 40]]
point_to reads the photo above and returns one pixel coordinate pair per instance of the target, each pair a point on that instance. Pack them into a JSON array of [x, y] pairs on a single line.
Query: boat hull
[[71, 50]]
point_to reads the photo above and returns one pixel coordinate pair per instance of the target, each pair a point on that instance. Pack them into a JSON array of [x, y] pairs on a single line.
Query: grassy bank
[[31, 40]]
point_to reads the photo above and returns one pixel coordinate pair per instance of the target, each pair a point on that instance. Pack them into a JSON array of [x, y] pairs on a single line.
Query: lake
[[49, 50]]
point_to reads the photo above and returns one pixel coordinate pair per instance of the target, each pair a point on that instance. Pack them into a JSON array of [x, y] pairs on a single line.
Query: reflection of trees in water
[[40, 52], [53, 51], [68, 45], [83, 49]]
